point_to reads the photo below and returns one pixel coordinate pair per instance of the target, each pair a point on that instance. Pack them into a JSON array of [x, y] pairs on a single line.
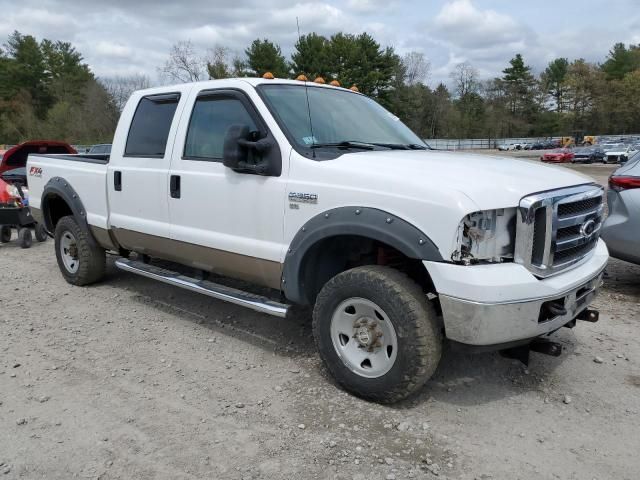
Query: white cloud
[[110, 49], [466, 26]]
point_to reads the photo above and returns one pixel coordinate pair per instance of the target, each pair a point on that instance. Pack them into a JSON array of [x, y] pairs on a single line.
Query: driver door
[[223, 221]]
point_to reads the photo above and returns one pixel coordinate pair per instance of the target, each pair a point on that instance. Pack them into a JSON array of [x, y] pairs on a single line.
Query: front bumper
[[486, 305]]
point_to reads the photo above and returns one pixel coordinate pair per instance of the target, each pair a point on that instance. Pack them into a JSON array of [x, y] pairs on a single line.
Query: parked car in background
[[505, 147], [537, 146], [100, 149], [588, 155], [613, 152], [621, 228], [16, 157], [631, 151], [559, 155]]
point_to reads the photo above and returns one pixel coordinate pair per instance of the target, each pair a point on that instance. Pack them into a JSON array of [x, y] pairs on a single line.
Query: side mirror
[[232, 152], [243, 152]]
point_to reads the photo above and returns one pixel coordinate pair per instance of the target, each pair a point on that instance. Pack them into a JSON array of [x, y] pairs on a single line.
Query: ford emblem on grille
[[587, 228]]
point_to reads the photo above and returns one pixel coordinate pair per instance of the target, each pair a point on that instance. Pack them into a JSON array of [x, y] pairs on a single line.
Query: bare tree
[[218, 62], [417, 68], [120, 88], [183, 64], [465, 78]]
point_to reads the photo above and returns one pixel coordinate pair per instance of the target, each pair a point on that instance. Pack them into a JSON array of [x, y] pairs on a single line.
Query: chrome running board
[[220, 292]]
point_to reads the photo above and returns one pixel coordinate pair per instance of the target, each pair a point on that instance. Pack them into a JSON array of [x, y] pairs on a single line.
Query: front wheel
[[81, 262], [377, 333]]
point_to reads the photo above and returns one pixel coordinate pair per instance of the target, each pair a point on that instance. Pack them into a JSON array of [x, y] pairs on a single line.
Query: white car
[[506, 147], [323, 198], [618, 152]]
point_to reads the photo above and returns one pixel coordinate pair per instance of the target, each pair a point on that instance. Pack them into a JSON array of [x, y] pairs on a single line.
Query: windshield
[[337, 116]]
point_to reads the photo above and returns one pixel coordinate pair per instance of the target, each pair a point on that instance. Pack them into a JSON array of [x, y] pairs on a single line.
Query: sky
[[121, 37]]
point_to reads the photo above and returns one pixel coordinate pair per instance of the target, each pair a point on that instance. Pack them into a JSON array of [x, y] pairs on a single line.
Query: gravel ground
[[132, 379]]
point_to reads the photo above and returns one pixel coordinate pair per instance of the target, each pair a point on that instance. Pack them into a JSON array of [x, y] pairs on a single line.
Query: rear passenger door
[[225, 221], [137, 181]]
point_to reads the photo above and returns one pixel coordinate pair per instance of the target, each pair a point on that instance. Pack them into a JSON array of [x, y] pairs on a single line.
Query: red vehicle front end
[[560, 155]]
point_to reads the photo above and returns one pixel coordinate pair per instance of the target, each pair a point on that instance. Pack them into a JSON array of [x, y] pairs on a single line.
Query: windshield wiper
[[344, 144], [400, 146]]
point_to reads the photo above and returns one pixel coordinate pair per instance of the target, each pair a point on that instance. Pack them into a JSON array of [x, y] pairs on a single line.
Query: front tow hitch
[[589, 315]]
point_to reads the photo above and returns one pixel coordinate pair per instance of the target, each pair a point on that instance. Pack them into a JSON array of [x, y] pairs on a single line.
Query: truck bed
[[87, 174]]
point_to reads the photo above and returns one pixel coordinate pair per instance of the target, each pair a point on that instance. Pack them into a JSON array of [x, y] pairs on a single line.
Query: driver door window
[[211, 118]]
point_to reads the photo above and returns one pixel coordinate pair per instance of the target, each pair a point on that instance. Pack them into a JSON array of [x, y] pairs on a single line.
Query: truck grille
[[559, 228]]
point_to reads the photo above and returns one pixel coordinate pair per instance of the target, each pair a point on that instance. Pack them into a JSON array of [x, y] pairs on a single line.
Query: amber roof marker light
[[334, 83], [302, 78], [268, 76], [353, 88]]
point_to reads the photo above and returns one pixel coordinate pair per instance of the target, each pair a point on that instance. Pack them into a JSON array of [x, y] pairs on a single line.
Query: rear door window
[[150, 126]]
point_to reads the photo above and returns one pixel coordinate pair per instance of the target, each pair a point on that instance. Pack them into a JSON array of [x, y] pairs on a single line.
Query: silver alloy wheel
[[364, 337], [69, 252]]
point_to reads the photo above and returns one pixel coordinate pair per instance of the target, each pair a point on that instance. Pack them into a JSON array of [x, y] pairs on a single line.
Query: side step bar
[[220, 292]]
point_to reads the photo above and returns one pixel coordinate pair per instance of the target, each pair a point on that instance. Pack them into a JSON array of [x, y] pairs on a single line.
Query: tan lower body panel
[[103, 237], [234, 265]]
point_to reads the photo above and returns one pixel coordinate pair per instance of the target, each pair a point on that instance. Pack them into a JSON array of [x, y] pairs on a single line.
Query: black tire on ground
[[41, 233], [418, 331], [91, 258], [25, 237], [5, 234]]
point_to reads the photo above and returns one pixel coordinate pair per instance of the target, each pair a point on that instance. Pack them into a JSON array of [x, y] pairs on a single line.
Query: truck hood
[[489, 181]]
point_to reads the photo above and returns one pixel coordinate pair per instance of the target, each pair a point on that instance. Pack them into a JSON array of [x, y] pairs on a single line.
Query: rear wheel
[[5, 234], [25, 238], [41, 233], [80, 261], [377, 333]]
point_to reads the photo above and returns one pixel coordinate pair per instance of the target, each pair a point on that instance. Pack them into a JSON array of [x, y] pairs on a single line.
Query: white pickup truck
[[326, 199]]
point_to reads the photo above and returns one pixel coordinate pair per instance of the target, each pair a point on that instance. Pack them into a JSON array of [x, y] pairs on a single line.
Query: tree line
[[46, 89]]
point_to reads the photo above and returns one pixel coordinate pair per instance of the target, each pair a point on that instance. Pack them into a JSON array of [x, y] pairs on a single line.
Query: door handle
[[174, 186], [117, 181]]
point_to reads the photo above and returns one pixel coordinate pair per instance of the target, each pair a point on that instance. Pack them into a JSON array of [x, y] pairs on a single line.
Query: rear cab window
[[150, 126]]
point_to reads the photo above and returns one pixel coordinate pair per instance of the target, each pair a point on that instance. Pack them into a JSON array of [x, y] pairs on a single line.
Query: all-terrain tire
[[5, 234], [414, 319], [91, 258]]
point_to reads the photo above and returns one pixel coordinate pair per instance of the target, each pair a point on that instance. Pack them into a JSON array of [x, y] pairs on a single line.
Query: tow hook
[[589, 316], [521, 353]]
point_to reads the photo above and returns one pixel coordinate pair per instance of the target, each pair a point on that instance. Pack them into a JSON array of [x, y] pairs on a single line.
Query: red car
[[559, 155], [14, 194], [16, 157]]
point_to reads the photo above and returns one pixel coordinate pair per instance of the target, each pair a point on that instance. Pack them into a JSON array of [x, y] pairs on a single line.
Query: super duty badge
[[299, 197]]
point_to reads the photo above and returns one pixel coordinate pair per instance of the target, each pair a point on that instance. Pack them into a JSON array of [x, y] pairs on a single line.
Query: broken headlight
[[486, 236]]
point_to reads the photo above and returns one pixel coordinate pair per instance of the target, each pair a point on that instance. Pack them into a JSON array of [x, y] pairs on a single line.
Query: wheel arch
[[326, 245], [59, 199]]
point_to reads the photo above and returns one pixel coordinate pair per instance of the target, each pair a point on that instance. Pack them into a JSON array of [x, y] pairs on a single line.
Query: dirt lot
[[133, 379]]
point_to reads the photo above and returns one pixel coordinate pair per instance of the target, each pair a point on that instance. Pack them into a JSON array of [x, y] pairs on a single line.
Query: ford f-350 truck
[[322, 196]]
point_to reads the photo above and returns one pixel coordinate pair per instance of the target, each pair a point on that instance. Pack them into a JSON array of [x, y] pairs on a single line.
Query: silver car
[[621, 228]]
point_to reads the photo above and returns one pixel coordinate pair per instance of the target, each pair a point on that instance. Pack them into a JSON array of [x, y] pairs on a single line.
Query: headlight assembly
[[486, 236]]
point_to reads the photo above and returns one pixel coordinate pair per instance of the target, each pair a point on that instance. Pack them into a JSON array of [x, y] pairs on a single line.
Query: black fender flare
[[365, 222], [58, 186]]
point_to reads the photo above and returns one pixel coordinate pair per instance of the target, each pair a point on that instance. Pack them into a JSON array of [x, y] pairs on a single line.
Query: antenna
[[306, 92]]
